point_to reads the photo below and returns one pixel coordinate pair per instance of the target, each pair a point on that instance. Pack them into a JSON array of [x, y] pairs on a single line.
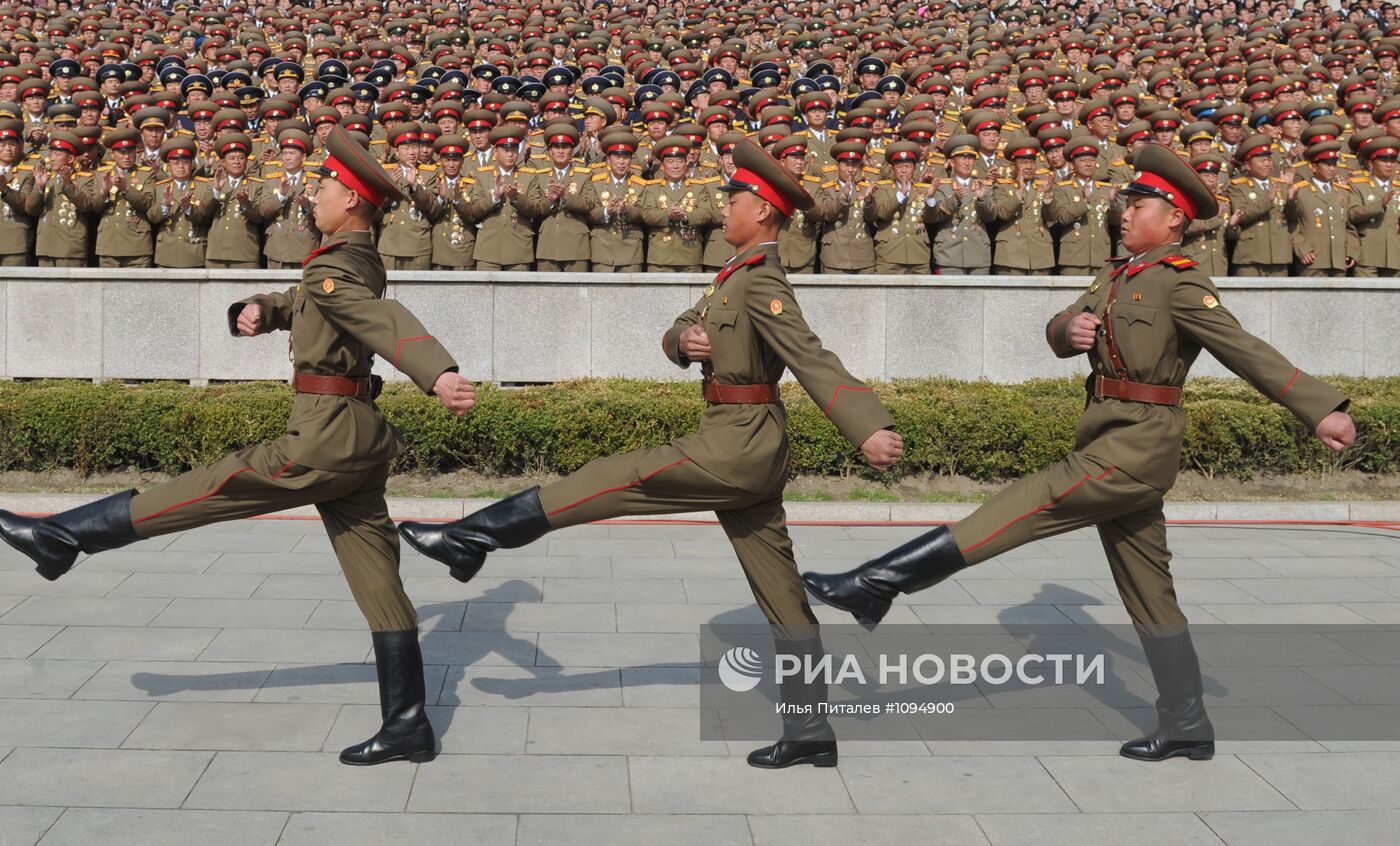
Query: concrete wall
[[168, 324]]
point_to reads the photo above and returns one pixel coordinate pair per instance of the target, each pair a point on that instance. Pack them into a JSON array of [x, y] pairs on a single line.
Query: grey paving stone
[[348, 829], [460, 731], [44, 679], [237, 726], [1384, 613], [195, 585], [1335, 781], [85, 611], [1113, 783], [484, 649], [8, 602], [618, 649], [186, 612], [243, 541], [1165, 829], [494, 784], [615, 591], [268, 563], [540, 617], [1284, 591], [335, 683], [176, 681], [661, 687], [619, 731], [1285, 615], [443, 588], [78, 582], [108, 643], [1040, 592], [99, 778], [297, 586], [548, 566], [632, 830], [792, 830], [24, 826], [299, 781], [1330, 567], [1303, 828], [685, 618], [343, 614], [137, 559], [533, 686], [300, 646], [149, 827], [611, 547], [68, 723], [680, 785], [965, 785]]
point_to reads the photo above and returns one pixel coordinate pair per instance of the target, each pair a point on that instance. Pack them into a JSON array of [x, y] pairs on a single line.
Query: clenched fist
[[1337, 431], [455, 392], [695, 344], [1083, 329], [249, 319], [882, 449]]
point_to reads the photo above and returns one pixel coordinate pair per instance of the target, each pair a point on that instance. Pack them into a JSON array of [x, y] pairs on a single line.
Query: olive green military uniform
[[676, 245], [233, 220], [718, 251], [505, 240], [180, 242], [961, 243], [756, 330], [16, 227], [1376, 224], [616, 241], [1317, 222], [1205, 241], [846, 242], [1262, 247], [405, 230], [1084, 241], [123, 232], [1163, 311], [562, 237], [454, 234], [1023, 242], [289, 224], [901, 233], [798, 239], [337, 451], [62, 230]]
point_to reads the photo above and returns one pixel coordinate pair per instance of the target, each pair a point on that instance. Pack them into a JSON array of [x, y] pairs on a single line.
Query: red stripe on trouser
[[616, 489], [214, 492], [1032, 513]]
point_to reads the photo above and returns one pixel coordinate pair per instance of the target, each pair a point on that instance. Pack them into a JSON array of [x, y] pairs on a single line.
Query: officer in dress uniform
[[115, 192], [676, 210], [555, 201], [225, 205], [180, 242], [1023, 242], [285, 199], [1080, 207], [454, 235], [959, 206], [613, 198], [1142, 323], [406, 231], [897, 213], [1205, 236], [16, 184], [505, 240], [63, 229], [1373, 209], [335, 456], [1317, 216], [1262, 247], [744, 332], [839, 206]]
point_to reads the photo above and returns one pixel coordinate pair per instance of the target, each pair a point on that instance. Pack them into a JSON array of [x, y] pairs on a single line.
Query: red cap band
[[561, 138], [1174, 195], [765, 190], [347, 177]]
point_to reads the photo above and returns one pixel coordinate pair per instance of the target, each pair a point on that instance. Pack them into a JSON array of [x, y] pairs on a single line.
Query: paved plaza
[[196, 688]]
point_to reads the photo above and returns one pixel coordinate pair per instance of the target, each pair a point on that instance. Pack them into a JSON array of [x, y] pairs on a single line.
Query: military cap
[[1230, 115], [1324, 151], [407, 132], [561, 132], [151, 117], [11, 129], [848, 151], [65, 141], [1258, 144], [507, 135], [1082, 144], [479, 119], [758, 173], [871, 65], [350, 164], [178, 148], [1208, 163], [1285, 111], [1021, 147], [917, 130], [451, 146], [325, 114], [1134, 131], [1383, 145], [1201, 130], [63, 113], [1165, 175], [294, 137], [600, 107], [673, 145], [517, 110], [961, 144], [277, 108], [1093, 109], [233, 142], [902, 151], [978, 120], [619, 141], [123, 139], [790, 145]]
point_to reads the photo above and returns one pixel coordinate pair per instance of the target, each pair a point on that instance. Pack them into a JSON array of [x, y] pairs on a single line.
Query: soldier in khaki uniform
[[55, 200], [335, 456], [1142, 323], [16, 184], [285, 200], [613, 198], [179, 241], [897, 212], [115, 192], [1205, 236], [718, 251], [960, 209], [1080, 207], [405, 231], [676, 209], [744, 332], [797, 242], [1317, 216], [846, 242], [505, 240], [225, 205], [1373, 209], [1257, 197], [454, 235], [555, 200], [1023, 242]]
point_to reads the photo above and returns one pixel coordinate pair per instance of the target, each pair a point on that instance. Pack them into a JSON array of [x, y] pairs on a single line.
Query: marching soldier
[[115, 193], [406, 232], [555, 200], [1373, 210], [179, 241], [613, 199], [1143, 323], [1205, 236], [846, 243], [1317, 216], [897, 212], [225, 205], [745, 330], [1262, 247], [55, 202], [504, 238], [454, 235], [1079, 206], [959, 207], [1023, 242], [797, 242], [285, 199], [16, 184], [676, 209], [336, 455]]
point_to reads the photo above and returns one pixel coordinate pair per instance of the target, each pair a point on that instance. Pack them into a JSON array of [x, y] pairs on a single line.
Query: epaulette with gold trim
[[599, 177], [1239, 180], [485, 168], [636, 180], [832, 184], [1180, 262], [830, 168], [703, 180], [1065, 182], [885, 182]]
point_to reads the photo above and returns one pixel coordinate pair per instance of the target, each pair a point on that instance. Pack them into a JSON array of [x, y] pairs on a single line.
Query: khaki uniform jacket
[[122, 227], [1263, 230], [1205, 241], [717, 250], [756, 332], [454, 233], [63, 228], [798, 238], [1159, 337], [1317, 223], [561, 227], [16, 227], [504, 234], [234, 225], [846, 242], [405, 230], [1023, 239], [901, 234], [677, 243], [961, 238], [339, 321], [1083, 224], [1375, 222], [289, 226], [615, 239], [180, 242]]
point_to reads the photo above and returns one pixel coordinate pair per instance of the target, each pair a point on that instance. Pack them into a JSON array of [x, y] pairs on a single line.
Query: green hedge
[[976, 429]]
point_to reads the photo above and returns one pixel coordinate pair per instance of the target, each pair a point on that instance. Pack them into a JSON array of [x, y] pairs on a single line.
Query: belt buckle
[[1098, 386]]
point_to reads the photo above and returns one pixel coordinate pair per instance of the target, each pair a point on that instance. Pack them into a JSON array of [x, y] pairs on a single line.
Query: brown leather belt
[[1122, 389], [741, 394], [340, 386]]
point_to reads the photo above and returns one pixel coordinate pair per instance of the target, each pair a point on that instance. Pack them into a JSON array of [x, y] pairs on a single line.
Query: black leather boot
[[867, 590], [1183, 729], [54, 542], [406, 733], [807, 736], [463, 545]]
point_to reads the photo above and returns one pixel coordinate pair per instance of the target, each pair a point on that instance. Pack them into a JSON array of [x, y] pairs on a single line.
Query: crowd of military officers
[[952, 138]]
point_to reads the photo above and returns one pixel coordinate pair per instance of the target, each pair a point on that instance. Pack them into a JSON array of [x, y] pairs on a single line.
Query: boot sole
[[455, 572], [47, 571], [1191, 754], [865, 620], [823, 759], [411, 757]]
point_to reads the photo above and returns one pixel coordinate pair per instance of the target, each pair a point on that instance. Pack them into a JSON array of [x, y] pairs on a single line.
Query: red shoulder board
[[749, 262], [325, 248], [1180, 262]]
